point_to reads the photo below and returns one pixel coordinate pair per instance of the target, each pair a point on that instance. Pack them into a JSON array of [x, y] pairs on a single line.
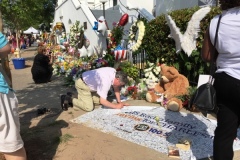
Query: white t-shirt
[[228, 43], [100, 80]]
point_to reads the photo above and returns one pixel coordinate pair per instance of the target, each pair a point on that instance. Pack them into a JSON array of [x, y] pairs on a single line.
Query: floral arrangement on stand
[[135, 43], [136, 88], [76, 37], [114, 39]]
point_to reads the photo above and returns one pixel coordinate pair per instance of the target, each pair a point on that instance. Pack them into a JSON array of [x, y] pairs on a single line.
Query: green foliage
[[130, 70], [110, 59], [157, 44], [21, 14], [117, 34]]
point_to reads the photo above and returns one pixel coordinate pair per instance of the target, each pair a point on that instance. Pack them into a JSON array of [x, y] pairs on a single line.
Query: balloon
[[119, 47], [83, 52], [102, 25], [101, 19], [123, 20], [120, 54], [90, 51], [87, 43]]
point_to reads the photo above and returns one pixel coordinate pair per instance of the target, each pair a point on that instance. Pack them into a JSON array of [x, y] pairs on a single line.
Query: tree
[[21, 14]]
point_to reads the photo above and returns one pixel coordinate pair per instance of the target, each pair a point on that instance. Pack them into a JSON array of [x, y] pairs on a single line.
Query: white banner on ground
[[138, 125]]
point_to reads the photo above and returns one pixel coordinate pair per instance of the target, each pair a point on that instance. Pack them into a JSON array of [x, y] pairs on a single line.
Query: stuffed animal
[[171, 85]]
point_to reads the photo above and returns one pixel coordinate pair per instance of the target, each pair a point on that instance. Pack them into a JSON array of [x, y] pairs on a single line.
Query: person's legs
[[84, 100], [225, 134], [11, 144], [96, 98], [17, 155], [227, 92]]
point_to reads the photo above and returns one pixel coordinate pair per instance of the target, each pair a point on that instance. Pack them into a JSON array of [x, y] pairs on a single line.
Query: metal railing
[[139, 61]]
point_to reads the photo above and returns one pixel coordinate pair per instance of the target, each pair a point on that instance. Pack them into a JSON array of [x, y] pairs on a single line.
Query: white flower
[[141, 31]]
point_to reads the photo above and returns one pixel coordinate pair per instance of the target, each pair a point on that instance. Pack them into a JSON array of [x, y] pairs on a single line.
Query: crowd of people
[[24, 40]]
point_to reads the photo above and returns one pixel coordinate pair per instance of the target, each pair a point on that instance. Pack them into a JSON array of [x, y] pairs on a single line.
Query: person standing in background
[[227, 75]]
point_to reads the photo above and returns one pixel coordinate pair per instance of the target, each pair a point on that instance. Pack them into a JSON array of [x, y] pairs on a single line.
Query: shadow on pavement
[[41, 131]]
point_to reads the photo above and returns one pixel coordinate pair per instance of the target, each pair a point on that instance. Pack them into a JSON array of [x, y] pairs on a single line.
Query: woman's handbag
[[204, 97]]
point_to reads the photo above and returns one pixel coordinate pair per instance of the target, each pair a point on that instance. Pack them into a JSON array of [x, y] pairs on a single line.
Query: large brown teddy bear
[[171, 85]]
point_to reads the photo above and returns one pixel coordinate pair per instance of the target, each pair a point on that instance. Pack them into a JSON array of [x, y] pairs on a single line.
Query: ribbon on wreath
[[120, 53]]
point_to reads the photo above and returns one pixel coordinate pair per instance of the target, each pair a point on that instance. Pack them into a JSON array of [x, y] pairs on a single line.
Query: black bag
[[204, 97]]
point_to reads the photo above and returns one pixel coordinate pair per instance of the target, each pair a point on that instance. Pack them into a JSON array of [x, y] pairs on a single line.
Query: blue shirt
[[4, 88]]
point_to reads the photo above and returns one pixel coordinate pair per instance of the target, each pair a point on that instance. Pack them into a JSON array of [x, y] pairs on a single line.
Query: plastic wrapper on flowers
[[98, 63], [133, 90]]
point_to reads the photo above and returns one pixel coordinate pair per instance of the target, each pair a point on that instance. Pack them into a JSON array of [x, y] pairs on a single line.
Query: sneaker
[[64, 103]]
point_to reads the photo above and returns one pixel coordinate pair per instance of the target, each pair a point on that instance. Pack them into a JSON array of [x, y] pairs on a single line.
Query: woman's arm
[[4, 51], [208, 51]]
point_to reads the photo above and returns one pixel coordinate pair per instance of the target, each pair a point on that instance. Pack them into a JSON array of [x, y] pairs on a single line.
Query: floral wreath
[[140, 27]]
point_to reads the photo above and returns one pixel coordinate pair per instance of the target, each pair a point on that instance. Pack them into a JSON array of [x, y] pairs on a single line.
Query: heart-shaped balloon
[[123, 20]]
